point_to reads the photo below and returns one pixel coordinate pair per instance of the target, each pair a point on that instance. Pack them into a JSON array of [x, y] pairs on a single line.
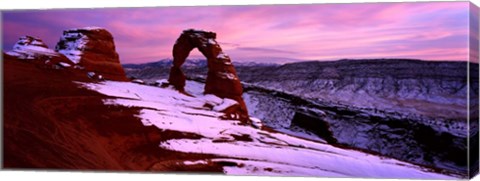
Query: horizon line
[[304, 60]]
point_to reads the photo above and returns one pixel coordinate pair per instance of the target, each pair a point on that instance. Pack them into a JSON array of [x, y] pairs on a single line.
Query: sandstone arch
[[222, 79]]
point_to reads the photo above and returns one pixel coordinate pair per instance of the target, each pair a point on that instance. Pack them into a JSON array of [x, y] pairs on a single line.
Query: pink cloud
[[436, 30]]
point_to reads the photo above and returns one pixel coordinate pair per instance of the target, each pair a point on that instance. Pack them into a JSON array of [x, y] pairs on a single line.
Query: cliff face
[[94, 49], [407, 109], [435, 142], [436, 89]]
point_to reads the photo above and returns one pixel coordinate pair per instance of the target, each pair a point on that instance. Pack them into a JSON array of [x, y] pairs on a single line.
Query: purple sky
[[433, 30]]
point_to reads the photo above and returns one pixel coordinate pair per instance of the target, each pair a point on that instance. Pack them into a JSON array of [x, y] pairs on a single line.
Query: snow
[[12, 53], [271, 169], [256, 122], [196, 89], [138, 81], [30, 51], [75, 42], [212, 99], [227, 75], [64, 64], [263, 153], [162, 81], [306, 161], [211, 41], [222, 55], [85, 28], [92, 28], [225, 104], [36, 50], [73, 55], [198, 162], [37, 43]]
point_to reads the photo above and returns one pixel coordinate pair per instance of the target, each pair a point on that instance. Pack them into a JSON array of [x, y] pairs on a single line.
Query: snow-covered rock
[[31, 48], [138, 81], [253, 151], [28, 47], [94, 49]]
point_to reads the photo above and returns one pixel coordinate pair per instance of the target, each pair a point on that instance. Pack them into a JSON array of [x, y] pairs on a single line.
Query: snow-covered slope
[[249, 150], [28, 47], [434, 142]]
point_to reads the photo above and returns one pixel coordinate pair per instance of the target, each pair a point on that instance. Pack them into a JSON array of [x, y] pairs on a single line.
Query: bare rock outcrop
[[222, 79], [94, 49]]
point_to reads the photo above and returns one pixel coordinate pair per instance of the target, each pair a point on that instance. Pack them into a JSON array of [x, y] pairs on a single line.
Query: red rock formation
[[31, 48], [29, 41], [51, 123], [222, 79], [94, 49]]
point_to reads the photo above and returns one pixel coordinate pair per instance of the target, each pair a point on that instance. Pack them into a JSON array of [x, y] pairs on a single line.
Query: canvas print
[[368, 90]]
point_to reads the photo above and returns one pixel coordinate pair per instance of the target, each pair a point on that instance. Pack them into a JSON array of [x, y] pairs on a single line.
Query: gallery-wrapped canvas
[[359, 90]]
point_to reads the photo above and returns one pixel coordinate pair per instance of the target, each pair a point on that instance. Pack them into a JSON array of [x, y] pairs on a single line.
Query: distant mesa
[[222, 79], [94, 49], [90, 48]]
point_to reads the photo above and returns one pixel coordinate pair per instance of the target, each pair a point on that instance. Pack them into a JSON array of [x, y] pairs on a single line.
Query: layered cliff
[[437, 89]]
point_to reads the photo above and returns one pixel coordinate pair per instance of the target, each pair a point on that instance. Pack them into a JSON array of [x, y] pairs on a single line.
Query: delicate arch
[[222, 79]]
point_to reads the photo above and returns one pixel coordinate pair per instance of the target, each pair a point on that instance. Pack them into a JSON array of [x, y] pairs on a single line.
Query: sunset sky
[[281, 33]]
